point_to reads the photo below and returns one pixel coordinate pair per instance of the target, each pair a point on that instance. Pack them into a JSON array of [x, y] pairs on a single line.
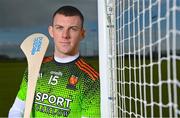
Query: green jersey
[[65, 90]]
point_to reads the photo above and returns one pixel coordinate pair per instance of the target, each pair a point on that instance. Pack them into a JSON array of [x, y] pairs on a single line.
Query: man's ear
[[50, 30], [83, 33]]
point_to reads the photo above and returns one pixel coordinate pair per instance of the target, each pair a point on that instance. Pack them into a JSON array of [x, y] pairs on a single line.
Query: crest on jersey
[[72, 81]]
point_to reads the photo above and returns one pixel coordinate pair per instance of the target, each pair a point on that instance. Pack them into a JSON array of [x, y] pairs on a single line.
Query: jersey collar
[[66, 59]]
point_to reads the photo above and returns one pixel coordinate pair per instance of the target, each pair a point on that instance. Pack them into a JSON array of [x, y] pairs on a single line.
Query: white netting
[[147, 36]]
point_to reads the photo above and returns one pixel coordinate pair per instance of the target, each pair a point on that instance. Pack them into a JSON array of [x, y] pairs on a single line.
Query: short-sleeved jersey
[[65, 90]]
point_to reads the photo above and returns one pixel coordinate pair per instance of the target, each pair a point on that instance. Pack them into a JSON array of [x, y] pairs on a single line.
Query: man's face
[[67, 32]]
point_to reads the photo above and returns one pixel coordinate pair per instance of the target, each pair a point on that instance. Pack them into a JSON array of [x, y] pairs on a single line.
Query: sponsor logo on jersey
[[72, 81], [56, 73], [51, 104]]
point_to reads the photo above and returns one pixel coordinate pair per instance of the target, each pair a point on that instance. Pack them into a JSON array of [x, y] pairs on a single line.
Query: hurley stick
[[34, 47]]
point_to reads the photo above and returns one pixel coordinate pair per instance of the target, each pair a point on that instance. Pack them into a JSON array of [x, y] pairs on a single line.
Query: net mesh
[[147, 58]]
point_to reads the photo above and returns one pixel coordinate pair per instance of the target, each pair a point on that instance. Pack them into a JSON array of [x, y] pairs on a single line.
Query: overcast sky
[[19, 18], [23, 13]]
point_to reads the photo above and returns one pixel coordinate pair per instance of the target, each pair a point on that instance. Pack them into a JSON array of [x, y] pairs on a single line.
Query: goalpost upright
[[103, 59], [106, 57]]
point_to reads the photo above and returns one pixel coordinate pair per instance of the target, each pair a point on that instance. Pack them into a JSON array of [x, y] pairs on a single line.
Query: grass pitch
[[10, 78]]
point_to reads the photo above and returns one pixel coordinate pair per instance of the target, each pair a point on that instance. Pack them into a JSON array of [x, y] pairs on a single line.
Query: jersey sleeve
[[17, 110], [91, 99], [23, 87]]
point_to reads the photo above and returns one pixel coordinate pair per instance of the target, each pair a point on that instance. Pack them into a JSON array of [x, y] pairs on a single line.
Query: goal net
[[143, 57]]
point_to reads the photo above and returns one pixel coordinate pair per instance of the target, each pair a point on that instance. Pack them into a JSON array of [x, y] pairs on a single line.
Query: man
[[67, 85]]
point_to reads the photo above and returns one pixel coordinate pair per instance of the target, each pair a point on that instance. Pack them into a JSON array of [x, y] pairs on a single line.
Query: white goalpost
[[103, 56], [139, 57]]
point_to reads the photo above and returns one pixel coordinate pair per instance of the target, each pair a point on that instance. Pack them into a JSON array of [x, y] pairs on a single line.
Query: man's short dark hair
[[69, 11]]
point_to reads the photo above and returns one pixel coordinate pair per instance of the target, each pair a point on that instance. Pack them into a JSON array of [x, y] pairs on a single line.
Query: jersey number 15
[[53, 80]]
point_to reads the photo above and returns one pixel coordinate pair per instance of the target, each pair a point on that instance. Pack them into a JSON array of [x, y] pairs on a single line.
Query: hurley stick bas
[[34, 47]]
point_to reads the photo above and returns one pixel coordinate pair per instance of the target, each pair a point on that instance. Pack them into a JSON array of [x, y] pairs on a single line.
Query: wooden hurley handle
[[34, 47]]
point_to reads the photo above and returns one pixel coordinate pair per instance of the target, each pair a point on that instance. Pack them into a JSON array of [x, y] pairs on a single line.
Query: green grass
[[10, 78], [11, 73]]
